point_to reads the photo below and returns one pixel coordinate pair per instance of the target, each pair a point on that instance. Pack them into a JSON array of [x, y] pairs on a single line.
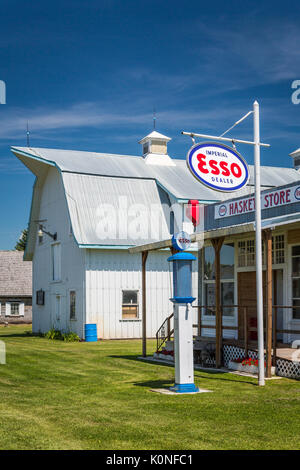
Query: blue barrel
[[90, 332]]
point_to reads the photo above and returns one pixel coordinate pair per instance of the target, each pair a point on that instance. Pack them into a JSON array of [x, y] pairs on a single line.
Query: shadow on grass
[[213, 374], [155, 384], [20, 335]]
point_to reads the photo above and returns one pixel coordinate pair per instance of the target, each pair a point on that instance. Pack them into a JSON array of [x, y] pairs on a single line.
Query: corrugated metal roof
[[114, 211], [177, 180], [91, 163]]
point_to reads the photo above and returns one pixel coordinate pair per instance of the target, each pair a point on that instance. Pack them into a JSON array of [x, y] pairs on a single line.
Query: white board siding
[[108, 273], [53, 207]]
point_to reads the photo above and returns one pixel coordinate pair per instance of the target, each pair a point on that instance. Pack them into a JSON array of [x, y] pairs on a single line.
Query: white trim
[[8, 308]]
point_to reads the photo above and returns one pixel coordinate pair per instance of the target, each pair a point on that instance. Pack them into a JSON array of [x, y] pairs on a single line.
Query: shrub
[[53, 334], [56, 334], [71, 337]]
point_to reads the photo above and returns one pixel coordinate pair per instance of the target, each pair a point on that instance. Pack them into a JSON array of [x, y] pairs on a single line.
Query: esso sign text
[[181, 241], [218, 166]]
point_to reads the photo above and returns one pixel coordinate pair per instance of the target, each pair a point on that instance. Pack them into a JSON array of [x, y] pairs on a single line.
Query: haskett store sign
[[218, 166], [269, 200]]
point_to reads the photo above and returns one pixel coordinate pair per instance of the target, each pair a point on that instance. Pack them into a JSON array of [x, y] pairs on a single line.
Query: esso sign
[[181, 241], [218, 166]]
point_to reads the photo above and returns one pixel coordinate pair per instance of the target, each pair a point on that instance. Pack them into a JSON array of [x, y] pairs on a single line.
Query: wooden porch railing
[[277, 330], [246, 326], [212, 308]]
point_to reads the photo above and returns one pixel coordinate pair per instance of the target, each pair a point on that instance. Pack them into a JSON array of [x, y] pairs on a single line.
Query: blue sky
[[87, 75]]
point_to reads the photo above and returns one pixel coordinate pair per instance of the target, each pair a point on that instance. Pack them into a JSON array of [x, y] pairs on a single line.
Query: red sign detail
[[234, 169], [193, 211]]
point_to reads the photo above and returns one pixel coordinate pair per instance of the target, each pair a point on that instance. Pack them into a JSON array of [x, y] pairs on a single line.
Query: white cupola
[[155, 150], [296, 157]]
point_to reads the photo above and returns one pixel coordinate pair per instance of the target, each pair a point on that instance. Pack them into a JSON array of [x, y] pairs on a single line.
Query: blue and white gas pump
[[183, 321]]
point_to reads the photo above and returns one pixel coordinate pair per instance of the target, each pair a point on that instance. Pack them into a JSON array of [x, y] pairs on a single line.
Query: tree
[[21, 243]]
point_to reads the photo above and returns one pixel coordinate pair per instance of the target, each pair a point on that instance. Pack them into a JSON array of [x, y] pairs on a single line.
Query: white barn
[[87, 210]]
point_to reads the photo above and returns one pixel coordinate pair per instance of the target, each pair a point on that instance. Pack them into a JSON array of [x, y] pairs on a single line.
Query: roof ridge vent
[[155, 149], [296, 157]]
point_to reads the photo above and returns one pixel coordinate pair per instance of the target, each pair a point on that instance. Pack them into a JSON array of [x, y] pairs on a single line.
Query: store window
[[278, 249], [246, 251], [296, 282], [227, 280], [130, 306]]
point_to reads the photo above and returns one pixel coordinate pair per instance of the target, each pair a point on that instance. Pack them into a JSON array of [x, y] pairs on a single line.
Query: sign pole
[[259, 287], [204, 169]]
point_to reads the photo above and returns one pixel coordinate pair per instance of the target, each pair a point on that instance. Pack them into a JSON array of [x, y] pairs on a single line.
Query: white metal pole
[[259, 288]]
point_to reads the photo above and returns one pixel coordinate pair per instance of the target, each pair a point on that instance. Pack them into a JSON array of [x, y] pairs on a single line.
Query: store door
[[247, 297]]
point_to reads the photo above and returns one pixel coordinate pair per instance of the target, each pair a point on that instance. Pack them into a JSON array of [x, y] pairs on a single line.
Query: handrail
[[161, 337]]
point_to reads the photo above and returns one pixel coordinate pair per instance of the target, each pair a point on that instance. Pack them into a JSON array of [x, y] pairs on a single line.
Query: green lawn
[[56, 395]]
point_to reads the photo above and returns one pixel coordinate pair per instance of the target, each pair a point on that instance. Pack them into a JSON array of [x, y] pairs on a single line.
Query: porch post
[[217, 245], [268, 245], [144, 313]]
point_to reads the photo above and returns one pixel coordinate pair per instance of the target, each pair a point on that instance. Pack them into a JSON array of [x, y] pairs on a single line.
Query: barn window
[[56, 262], [72, 305], [130, 306]]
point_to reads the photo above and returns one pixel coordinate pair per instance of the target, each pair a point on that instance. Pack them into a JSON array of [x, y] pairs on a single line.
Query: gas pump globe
[[182, 277]]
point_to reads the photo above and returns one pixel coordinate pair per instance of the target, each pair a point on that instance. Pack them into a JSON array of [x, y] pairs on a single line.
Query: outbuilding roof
[[15, 275]]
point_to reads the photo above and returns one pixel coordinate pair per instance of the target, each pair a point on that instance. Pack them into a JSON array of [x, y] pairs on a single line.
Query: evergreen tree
[[21, 244]]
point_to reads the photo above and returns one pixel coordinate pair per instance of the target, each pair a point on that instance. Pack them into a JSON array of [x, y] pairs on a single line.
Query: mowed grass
[[56, 395]]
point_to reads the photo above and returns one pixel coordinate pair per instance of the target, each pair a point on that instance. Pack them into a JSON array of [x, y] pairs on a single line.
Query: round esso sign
[[181, 241], [297, 193], [218, 166]]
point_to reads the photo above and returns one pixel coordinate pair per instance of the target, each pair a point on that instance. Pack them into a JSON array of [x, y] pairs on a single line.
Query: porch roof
[[197, 237]]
